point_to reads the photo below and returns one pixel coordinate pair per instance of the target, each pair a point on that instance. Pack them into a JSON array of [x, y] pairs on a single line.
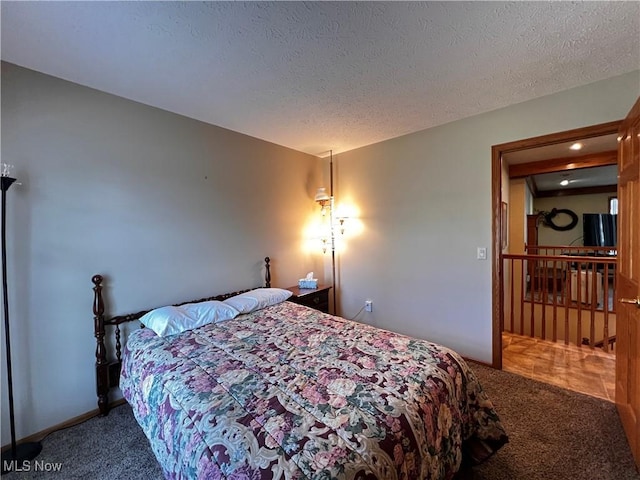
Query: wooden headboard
[[108, 363]]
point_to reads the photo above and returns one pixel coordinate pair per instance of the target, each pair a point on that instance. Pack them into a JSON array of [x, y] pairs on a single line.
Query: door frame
[[496, 208]]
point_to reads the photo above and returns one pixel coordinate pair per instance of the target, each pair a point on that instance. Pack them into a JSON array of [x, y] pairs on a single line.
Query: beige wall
[[425, 203], [168, 208], [579, 204]]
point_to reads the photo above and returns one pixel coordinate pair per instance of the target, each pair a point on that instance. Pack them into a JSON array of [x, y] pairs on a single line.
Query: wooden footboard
[[108, 365]]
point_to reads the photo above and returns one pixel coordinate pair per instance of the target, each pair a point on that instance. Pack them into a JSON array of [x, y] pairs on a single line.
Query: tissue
[[308, 281]]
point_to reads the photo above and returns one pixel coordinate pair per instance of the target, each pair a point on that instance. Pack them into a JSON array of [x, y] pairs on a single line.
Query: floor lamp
[[326, 201], [13, 458]]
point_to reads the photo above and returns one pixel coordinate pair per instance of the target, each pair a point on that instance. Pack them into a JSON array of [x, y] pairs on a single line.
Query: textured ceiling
[[315, 76]]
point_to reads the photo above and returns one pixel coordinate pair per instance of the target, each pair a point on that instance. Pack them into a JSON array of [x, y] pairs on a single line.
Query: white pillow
[[212, 311], [259, 298], [171, 320]]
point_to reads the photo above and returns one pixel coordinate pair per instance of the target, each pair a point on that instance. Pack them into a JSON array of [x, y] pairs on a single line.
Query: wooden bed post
[[102, 368], [267, 274]]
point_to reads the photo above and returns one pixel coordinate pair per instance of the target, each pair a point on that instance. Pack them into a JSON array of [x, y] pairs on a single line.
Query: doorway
[[499, 176]]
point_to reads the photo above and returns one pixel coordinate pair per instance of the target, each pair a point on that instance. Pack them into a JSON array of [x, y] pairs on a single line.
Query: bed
[[288, 392]]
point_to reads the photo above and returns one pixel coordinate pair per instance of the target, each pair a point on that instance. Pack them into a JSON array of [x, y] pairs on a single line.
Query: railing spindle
[[511, 300], [545, 301], [532, 317], [605, 307], [523, 295], [554, 333], [569, 286], [594, 303], [579, 305]]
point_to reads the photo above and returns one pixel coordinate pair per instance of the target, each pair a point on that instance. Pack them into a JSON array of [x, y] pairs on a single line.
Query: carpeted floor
[[554, 434]]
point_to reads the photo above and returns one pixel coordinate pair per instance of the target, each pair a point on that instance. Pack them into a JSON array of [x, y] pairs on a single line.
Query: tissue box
[[304, 283]]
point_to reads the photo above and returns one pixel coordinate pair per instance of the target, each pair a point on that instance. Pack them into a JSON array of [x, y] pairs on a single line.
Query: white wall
[[425, 203], [170, 209]]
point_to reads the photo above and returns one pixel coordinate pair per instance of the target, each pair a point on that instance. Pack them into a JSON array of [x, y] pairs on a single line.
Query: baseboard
[[484, 364], [39, 436]]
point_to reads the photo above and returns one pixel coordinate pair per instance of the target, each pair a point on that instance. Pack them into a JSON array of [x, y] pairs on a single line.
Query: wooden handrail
[[561, 258], [571, 247]]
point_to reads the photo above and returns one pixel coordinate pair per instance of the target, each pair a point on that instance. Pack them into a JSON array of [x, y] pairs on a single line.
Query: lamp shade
[[321, 195]]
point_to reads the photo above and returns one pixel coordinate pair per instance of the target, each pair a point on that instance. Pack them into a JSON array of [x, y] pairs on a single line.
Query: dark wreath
[[547, 219]]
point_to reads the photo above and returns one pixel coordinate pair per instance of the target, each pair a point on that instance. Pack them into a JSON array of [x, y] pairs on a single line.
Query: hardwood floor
[[581, 369]]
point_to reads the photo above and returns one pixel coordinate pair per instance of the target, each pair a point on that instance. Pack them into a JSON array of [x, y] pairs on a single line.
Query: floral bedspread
[[288, 392]]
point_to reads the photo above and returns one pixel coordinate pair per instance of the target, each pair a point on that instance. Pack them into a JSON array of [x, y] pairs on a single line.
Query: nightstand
[[317, 298]]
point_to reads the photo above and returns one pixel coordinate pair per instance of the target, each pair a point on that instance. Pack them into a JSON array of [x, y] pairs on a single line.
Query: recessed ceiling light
[[576, 146], [564, 183]]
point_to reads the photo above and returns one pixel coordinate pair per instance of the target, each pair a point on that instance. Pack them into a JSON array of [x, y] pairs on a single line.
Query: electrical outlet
[[368, 306], [482, 253]]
